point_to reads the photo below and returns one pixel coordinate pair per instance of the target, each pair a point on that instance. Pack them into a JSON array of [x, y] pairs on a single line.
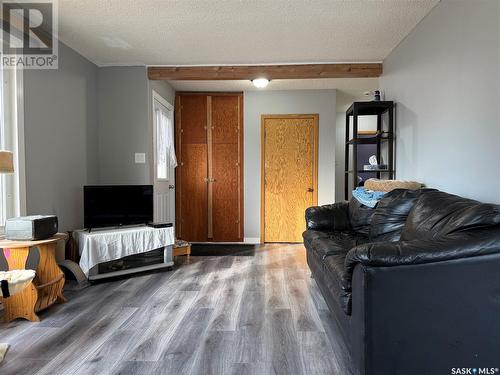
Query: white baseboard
[[251, 240]]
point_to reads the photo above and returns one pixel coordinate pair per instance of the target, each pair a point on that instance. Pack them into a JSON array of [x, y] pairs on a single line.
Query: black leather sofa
[[414, 284]]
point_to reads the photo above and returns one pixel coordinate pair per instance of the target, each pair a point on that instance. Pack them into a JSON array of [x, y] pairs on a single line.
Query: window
[[165, 152], [12, 186]]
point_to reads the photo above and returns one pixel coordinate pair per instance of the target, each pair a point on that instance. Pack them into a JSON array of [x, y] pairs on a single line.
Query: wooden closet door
[[191, 197], [226, 168]]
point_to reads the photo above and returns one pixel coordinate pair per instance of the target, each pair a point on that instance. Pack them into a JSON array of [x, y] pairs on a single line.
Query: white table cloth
[[101, 246]]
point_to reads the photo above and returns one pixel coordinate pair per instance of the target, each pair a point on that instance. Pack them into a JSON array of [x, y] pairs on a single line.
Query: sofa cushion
[[360, 217], [311, 235], [439, 214], [459, 245], [329, 217], [391, 213], [323, 243], [334, 266]]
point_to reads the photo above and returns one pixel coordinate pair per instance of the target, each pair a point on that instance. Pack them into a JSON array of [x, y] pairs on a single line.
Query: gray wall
[[257, 103], [83, 125], [60, 125], [122, 108], [164, 89], [445, 77], [125, 123]]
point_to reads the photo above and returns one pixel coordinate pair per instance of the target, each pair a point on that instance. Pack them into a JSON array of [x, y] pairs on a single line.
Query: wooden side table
[[45, 289]]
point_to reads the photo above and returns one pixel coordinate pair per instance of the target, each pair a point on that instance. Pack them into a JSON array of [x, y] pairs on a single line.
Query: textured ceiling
[[192, 32]]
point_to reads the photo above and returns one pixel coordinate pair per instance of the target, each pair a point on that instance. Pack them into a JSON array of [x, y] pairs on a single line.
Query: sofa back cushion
[[391, 214], [360, 217], [437, 213]]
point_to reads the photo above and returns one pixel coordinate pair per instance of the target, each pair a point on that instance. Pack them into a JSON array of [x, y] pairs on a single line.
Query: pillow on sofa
[[437, 213], [390, 185], [391, 213]]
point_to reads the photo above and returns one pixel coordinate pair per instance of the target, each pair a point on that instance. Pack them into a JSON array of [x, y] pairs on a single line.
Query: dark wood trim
[[211, 93], [240, 72]]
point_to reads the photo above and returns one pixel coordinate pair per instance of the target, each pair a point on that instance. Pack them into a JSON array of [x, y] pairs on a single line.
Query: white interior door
[[164, 160]]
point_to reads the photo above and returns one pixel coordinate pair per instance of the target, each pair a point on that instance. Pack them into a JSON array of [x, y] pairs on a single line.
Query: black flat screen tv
[[117, 205]]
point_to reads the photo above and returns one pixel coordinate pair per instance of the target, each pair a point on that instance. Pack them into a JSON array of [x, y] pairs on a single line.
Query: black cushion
[[360, 217], [334, 266], [329, 217], [391, 213], [311, 235], [330, 250], [438, 214], [455, 246]]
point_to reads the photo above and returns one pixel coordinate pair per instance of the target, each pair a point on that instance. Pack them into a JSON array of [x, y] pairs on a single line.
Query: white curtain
[[165, 150]]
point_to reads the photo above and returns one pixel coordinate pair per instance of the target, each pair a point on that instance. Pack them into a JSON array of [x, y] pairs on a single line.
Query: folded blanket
[[389, 185], [368, 197]]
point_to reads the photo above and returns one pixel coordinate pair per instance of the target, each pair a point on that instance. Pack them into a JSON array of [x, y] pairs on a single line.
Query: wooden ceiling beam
[[239, 72]]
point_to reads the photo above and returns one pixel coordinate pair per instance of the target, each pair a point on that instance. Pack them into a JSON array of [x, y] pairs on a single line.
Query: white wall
[[257, 103], [445, 78]]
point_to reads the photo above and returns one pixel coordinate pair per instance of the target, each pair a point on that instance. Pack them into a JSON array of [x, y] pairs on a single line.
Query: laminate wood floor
[[259, 314]]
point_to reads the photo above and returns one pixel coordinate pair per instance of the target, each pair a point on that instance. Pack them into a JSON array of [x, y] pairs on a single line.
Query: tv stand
[[112, 244]]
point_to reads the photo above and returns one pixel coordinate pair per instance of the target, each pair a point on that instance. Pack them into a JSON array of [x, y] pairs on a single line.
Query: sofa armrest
[[426, 318], [389, 254], [328, 217]]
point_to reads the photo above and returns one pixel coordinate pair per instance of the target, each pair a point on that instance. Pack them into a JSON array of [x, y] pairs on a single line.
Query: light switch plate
[[140, 158]]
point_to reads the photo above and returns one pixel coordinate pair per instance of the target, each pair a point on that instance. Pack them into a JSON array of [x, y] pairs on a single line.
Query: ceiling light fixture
[[260, 83]]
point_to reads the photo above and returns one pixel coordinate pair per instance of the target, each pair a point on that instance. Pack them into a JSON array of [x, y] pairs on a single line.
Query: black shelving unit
[[382, 136]]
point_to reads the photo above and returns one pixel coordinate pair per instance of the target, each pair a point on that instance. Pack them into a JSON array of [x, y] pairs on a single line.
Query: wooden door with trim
[[225, 172], [289, 174], [192, 171], [209, 196]]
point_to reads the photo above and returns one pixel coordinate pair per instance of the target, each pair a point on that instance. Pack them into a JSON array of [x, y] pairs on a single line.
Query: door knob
[[310, 190], [171, 187]]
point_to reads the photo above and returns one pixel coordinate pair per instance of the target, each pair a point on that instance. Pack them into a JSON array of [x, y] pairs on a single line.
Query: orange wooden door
[[289, 175], [225, 191], [192, 172]]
